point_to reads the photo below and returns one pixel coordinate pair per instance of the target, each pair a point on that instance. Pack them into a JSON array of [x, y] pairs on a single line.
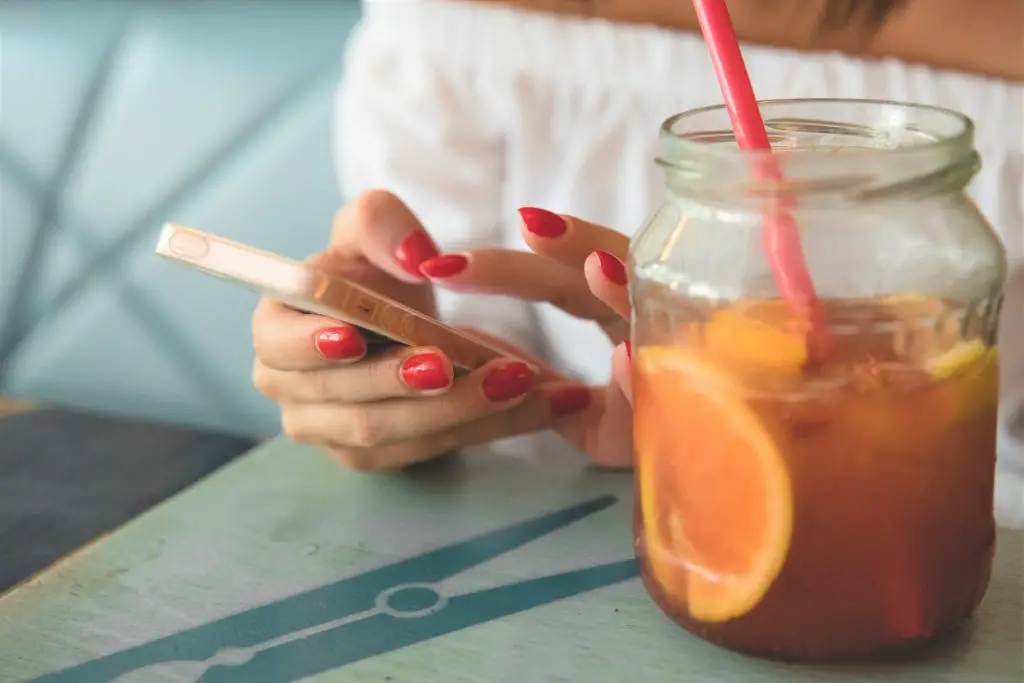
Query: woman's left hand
[[578, 267]]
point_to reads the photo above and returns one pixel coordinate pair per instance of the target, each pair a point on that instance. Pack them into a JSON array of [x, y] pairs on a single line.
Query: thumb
[[379, 228]]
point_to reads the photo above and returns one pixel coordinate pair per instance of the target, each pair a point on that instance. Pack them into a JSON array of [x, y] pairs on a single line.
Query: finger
[[290, 340], [613, 447], [379, 227], [551, 405], [547, 406], [606, 277], [605, 435], [622, 369], [495, 387], [567, 239], [522, 275], [396, 373]]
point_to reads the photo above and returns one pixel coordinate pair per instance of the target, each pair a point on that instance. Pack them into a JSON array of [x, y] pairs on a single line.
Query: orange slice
[[716, 497], [757, 338]]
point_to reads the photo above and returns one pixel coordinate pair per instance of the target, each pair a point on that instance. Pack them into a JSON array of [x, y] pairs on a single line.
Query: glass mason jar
[[806, 505]]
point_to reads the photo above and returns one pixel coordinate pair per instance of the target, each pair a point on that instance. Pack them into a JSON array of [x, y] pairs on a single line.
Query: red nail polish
[[542, 222], [508, 382], [425, 372], [340, 343], [414, 250], [444, 266], [569, 401], [629, 350], [612, 267]]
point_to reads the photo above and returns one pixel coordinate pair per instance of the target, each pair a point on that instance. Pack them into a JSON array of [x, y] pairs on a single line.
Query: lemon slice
[[959, 358]]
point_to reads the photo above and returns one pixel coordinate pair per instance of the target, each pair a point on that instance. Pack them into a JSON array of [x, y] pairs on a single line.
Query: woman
[[467, 111]]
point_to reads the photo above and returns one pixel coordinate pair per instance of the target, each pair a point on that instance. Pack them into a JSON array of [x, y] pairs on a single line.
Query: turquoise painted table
[[512, 564]]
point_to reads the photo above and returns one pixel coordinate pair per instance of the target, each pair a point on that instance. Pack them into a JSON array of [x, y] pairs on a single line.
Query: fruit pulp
[[815, 512]]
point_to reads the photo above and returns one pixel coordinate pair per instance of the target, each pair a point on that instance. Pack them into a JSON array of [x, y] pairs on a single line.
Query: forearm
[[977, 36]]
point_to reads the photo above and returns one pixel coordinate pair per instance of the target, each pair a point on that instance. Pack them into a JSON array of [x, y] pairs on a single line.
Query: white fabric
[[469, 111]]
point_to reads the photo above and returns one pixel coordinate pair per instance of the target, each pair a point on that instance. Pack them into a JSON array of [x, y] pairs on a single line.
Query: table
[[274, 569]]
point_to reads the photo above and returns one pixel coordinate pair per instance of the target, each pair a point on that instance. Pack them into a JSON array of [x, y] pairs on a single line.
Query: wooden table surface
[[512, 564]]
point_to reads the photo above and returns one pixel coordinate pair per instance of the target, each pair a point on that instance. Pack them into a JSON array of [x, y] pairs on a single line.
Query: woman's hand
[[392, 409], [578, 267]]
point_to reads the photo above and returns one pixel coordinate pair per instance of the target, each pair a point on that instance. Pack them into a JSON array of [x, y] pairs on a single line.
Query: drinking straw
[[781, 235]]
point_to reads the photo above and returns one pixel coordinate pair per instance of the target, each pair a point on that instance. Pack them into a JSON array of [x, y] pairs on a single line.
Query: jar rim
[[960, 140]]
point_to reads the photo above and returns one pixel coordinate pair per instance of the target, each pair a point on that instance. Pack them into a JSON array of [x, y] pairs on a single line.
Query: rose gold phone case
[[309, 289]]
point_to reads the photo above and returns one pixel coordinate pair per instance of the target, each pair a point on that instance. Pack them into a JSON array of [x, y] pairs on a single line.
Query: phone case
[[309, 289]]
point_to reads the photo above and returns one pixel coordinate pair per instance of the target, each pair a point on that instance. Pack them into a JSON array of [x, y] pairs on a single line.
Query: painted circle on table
[[411, 601]]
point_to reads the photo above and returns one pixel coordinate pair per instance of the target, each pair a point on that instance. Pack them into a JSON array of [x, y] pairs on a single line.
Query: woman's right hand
[[401, 406]]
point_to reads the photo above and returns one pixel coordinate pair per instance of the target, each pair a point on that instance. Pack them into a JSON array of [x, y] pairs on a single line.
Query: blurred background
[[122, 377]]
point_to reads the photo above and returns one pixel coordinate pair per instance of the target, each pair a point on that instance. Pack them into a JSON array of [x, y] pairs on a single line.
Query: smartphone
[[383, 321]]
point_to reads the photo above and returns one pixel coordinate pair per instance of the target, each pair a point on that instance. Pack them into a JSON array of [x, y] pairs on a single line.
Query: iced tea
[[810, 509]]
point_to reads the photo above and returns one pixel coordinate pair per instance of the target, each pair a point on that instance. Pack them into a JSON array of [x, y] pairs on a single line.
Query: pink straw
[[781, 235]]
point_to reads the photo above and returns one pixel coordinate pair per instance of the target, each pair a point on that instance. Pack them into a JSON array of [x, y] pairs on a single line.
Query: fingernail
[[629, 350], [542, 222], [444, 266], [425, 372], [569, 401], [340, 343], [414, 250], [508, 382], [612, 267]]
